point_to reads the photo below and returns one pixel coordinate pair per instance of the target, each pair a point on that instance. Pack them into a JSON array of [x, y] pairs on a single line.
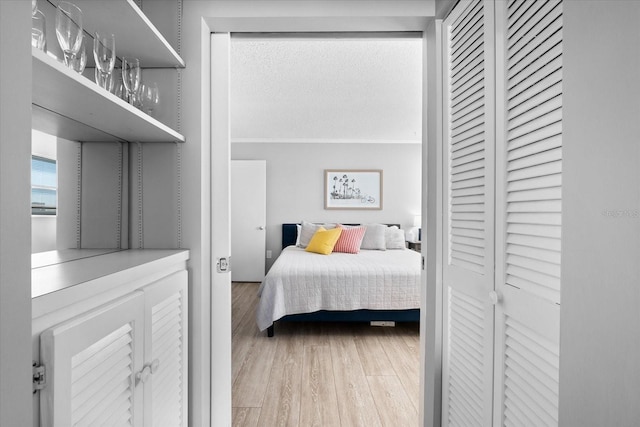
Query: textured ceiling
[[326, 88]]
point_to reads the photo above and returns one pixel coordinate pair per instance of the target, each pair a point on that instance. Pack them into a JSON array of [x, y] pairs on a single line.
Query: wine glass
[[117, 87], [131, 77], [69, 29], [110, 81], [149, 97], [38, 30], [137, 98], [34, 7], [104, 52], [78, 61]]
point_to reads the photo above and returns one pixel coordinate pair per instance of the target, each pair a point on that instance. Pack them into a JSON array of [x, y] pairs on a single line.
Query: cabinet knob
[[261, 227], [147, 370], [495, 297], [143, 375]]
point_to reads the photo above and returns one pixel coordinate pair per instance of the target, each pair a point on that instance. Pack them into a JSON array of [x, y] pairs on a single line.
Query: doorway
[[376, 19], [321, 110]]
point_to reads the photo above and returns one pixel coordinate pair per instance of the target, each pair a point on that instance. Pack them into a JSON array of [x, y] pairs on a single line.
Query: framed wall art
[[352, 189]]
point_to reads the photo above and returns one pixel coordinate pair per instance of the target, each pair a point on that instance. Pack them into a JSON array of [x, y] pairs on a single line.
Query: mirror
[[85, 200], [44, 184]]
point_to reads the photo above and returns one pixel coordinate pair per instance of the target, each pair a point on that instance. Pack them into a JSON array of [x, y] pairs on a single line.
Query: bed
[[373, 285]]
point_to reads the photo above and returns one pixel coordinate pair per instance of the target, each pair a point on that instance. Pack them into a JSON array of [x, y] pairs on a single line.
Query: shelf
[[70, 106], [135, 35]]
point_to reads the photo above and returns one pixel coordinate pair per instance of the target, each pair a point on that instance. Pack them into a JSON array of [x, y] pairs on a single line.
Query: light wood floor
[[322, 374]]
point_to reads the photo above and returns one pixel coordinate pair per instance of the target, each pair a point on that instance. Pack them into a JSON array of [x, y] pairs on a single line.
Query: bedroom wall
[[295, 182], [306, 103]]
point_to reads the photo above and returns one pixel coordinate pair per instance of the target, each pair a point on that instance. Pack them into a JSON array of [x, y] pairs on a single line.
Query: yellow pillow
[[323, 241]]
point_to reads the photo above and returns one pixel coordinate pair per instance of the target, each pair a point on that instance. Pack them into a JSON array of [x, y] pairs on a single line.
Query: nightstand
[[415, 246]]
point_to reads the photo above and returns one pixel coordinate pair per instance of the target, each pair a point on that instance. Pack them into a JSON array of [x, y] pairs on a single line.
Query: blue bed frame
[[289, 235]]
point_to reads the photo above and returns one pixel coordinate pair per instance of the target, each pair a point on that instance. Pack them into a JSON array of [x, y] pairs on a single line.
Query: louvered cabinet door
[[166, 351], [469, 208], [528, 214], [91, 363]]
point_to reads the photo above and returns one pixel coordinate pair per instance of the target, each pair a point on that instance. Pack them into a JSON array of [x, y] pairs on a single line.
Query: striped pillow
[[350, 240]]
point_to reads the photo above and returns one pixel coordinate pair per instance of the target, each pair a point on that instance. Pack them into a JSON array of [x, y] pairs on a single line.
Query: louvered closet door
[[469, 207], [91, 363], [528, 214], [166, 351]]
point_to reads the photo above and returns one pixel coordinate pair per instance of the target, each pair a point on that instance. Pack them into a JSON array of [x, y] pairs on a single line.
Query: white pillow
[[374, 237], [307, 230], [394, 238], [298, 230]]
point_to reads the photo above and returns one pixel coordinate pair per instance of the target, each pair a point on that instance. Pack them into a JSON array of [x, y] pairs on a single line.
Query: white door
[[92, 362], [248, 218], [165, 349], [503, 165], [468, 256], [528, 211]]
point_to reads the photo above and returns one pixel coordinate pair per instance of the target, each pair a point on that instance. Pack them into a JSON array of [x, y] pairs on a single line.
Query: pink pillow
[[350, 240]]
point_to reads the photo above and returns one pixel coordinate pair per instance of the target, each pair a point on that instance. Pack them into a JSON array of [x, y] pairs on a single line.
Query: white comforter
[[303, 282]]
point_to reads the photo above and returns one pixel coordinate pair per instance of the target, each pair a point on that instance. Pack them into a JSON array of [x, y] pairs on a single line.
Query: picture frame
[[353, 189]]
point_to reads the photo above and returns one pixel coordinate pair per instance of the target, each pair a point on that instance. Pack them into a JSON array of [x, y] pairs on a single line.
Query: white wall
[[295, 182], [600, 310], [15, 223]]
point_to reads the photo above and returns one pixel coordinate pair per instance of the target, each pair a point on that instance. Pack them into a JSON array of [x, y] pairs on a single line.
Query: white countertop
[[66, 276]]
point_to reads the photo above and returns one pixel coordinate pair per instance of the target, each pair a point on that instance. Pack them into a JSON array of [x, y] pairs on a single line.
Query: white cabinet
[[123, 363], [110, 327]]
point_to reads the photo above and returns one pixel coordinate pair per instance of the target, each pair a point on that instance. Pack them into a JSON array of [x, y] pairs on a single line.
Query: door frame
[[357, 17]]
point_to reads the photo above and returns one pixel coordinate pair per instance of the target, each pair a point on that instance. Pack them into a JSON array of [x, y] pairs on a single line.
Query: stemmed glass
[[131, 77], [149, 97], [38, 27], [116, 84], [78, 61], [104, 52], [69, 29]]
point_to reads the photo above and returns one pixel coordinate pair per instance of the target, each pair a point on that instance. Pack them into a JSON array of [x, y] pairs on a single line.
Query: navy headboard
[[290, 233]]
